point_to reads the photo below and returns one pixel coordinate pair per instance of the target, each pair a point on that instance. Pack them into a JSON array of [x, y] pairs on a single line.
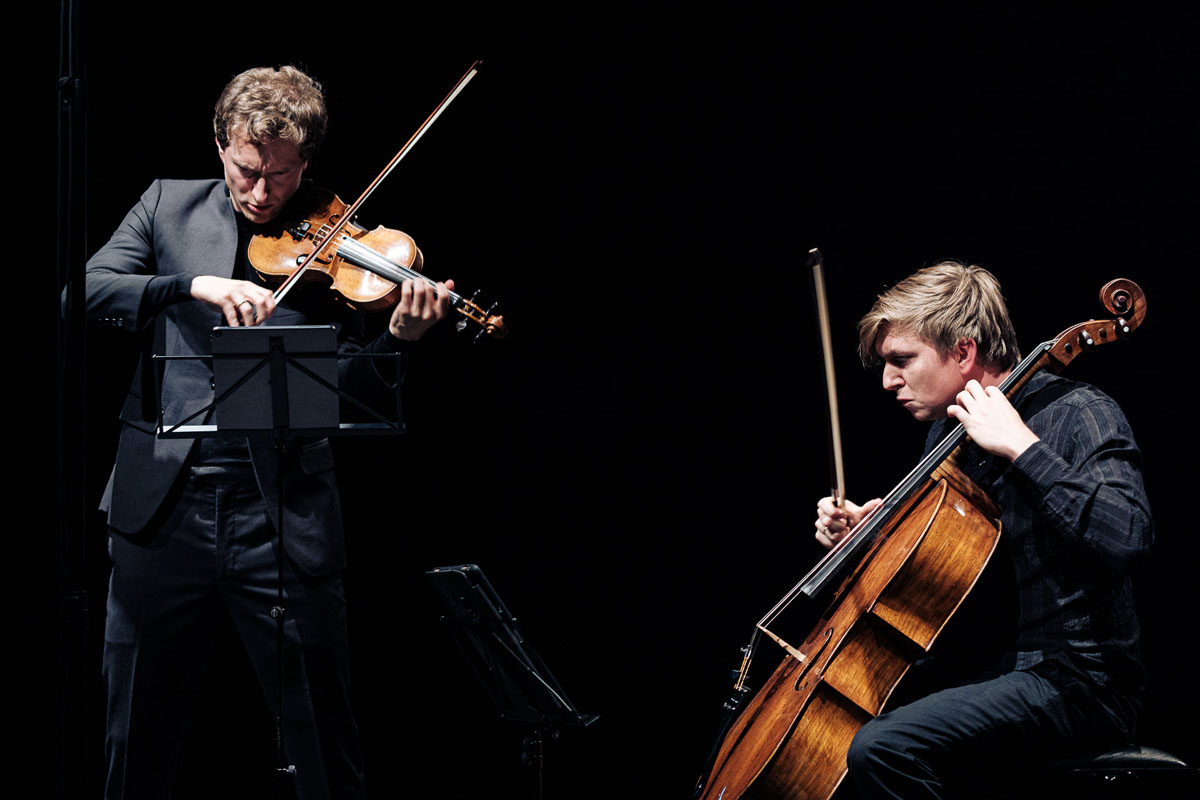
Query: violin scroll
[[489, 323]]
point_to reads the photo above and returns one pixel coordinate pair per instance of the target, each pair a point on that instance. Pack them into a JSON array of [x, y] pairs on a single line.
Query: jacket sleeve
[[372, 381], [123, 287]]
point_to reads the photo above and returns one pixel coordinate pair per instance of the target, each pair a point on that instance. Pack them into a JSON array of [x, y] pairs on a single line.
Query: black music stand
[[512, 672], [278, 381], [243, 358]]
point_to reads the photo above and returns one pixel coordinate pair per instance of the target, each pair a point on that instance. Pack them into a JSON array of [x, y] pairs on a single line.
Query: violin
[[364, 268]]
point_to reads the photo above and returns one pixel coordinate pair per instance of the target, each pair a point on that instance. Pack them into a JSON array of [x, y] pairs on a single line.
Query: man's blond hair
[[266, 104], [942, 305]]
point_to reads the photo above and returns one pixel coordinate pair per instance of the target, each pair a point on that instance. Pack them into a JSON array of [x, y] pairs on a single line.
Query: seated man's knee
[[867, 748]]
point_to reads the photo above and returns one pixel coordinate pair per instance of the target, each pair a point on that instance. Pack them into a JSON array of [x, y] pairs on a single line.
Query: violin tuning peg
[[461, 325]]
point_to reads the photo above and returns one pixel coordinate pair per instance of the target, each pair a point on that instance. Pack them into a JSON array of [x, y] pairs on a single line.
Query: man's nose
[[260, 190], [891, 379]]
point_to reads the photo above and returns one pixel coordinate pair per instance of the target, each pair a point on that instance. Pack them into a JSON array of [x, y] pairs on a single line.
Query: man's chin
[[921, 414]]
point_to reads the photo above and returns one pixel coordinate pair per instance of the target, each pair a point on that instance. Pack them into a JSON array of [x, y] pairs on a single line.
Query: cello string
[[865, 531], [746, 755], [1040, 357]]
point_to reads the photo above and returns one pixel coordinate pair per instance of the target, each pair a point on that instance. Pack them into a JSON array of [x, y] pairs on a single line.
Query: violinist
[[1061, 463], [192, 522]]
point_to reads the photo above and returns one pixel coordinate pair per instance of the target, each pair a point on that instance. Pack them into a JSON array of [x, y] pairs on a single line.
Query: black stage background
[[636, 466]]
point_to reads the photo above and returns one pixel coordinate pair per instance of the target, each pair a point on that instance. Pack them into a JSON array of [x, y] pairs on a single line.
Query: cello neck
[[850, 550]]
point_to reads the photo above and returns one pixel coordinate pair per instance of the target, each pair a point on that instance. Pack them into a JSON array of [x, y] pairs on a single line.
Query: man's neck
[[991, 377]]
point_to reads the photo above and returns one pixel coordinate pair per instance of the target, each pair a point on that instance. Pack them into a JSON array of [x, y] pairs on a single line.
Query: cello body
[[791, 740], [907, 569]]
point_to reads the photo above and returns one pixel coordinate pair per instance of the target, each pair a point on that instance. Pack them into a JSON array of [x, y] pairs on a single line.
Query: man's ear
[[966, 353]]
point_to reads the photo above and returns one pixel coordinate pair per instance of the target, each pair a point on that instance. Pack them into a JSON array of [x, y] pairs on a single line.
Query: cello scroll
[[1124, 299], [903, 572]]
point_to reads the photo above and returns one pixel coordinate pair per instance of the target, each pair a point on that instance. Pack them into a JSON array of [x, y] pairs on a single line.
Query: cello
[[903, 572]]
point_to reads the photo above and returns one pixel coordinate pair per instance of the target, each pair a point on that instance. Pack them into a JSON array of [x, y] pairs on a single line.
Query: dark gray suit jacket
[[189, 227]]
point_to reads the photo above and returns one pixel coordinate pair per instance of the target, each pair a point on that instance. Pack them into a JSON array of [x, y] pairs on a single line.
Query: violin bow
[[329, 235]]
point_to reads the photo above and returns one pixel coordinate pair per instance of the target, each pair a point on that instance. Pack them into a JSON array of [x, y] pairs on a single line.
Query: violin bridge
[[790, 650]]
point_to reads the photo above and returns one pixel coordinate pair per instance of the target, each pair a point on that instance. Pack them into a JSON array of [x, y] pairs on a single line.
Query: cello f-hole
[[812, 659]]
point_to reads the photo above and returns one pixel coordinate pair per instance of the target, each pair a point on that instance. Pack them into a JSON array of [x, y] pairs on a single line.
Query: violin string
[[360, 255]]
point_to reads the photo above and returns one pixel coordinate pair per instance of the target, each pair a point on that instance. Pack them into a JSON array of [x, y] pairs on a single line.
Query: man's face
[[925, 382], [261, 177]]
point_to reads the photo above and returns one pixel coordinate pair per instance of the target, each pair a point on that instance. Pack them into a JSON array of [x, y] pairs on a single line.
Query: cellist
[[1061, 463], [192, 522]]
